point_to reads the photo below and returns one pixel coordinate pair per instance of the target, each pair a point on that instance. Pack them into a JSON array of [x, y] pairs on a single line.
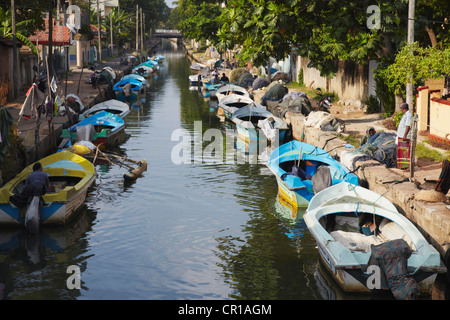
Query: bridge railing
[[166, 31]]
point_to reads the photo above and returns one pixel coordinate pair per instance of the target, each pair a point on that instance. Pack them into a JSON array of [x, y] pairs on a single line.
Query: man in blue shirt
[[37, 182]]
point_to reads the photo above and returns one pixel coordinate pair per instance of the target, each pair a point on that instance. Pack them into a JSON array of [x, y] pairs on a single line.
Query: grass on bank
[[312, 94]]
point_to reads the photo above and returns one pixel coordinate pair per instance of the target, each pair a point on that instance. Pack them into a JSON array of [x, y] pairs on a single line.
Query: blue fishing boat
[[103, 129], [209, 89], [129, 90], [159, 58], [151, 63], [143, 70], [302, 170], [137, 77]]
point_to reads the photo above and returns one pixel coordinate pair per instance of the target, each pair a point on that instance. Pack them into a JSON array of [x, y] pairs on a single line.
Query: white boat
[[231, 103], [231, 89], [113, 106], [350, 222], [249, 120], [197, 67], [193, 81]]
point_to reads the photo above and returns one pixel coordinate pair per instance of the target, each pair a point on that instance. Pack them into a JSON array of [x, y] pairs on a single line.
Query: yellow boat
[[71, 175]]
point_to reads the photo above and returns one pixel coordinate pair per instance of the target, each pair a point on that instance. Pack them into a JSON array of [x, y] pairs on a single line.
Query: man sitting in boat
[[36, 184], [224, 78]]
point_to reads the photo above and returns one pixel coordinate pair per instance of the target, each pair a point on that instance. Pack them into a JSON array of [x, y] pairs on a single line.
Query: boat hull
[[355, 280], [297, 198], [104, 139]]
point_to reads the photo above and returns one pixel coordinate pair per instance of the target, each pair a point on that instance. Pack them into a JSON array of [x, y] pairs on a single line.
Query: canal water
[[199, 228]]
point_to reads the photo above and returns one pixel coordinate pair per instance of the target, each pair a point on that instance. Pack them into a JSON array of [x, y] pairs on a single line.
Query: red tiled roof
[[60, 35]]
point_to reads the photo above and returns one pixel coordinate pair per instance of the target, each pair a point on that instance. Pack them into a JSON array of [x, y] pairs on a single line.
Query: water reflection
[[205, 230], [35, 266]]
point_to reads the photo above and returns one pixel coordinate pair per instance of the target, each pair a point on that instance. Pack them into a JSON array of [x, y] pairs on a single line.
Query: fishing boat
[[159, 58], [210, 88], [70, 175], [103, 129], [233, 102], [143, 70], [351, 223], [137, 77], [129, 90], [193, 81], [197, 67], [302, 169], [231, 89], [251, 121], [150, 63], [112, 106]]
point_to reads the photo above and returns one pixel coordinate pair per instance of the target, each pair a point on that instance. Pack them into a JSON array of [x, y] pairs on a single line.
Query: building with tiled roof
[[60, 35]]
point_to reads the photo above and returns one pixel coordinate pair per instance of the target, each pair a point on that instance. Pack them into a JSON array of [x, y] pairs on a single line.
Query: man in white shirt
[[404, 137]]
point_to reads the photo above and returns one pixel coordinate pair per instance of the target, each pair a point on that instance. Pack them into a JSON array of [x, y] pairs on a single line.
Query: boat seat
[[355, 241]]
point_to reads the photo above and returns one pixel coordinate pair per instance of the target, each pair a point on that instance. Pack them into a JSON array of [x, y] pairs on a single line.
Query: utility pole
[[15, 68], [111, 31], [409, 85], [51, 128], [99, 33], [142, 31], [137, 28], [409, 89]]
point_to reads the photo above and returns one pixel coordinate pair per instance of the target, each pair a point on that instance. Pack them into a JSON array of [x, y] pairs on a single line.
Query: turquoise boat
[[103, 129], [130, 90], [138, 78], [143, 70], [295, 164]]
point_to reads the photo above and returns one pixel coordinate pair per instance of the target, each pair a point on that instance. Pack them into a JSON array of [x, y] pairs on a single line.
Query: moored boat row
[[364, 242], [69, 171]]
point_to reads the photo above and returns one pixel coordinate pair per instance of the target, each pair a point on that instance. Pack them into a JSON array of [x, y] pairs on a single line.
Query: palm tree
[[122, 24], [6, 29]]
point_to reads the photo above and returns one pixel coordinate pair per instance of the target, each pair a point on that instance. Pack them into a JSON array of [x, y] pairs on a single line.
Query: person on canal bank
[[404, 137], [370, 132]]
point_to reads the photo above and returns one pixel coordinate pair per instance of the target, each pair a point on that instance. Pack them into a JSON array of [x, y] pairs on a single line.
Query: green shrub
[[373, 104]]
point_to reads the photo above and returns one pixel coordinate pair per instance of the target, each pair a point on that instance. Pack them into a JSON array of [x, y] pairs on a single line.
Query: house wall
[[83, 52], [422, 108], [351, 82], [439, 117]]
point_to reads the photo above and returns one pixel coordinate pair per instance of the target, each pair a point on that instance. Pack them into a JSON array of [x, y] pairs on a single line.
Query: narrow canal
[[196, 230]]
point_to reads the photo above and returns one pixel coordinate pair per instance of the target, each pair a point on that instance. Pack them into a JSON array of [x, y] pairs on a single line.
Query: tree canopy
[[324, 31]]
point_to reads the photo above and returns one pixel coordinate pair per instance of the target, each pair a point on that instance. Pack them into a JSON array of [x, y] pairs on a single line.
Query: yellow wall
[[422, 109], [440, 118]]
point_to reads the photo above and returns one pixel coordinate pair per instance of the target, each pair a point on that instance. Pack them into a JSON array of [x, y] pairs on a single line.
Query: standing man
[[404, 138]]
